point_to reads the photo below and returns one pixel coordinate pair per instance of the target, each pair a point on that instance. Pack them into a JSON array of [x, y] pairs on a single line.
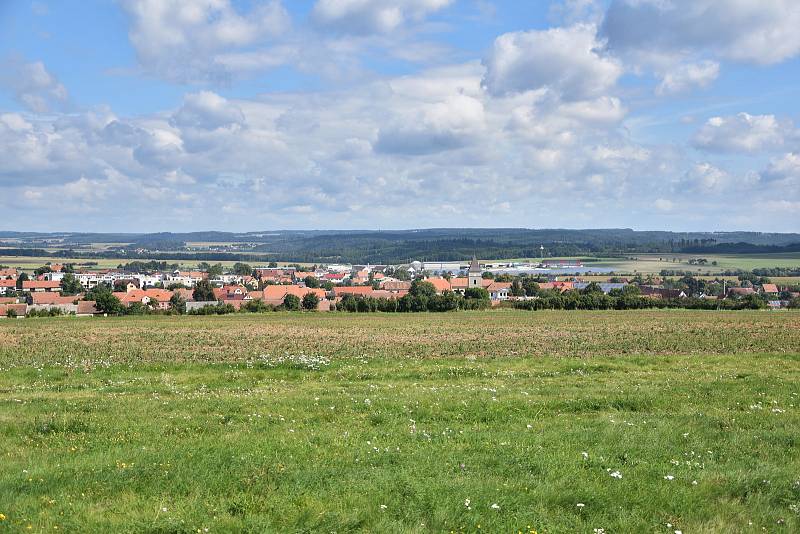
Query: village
[[60, 289]]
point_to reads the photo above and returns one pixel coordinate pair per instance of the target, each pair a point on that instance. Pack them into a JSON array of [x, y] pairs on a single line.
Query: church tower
[[474, 278]]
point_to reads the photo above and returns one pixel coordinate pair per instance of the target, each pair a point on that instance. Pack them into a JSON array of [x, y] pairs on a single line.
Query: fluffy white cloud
[[207, 110], [205, 40], [566, 61], [686, 76], [704, 177], [427, 147], [32, 85], [372, 16], [453, 123], [743, 133], [758, 31], [783, 175]]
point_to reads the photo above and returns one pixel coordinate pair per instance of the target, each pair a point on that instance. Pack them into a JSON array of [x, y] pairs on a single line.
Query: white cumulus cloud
[[743, 133], [566, 61]]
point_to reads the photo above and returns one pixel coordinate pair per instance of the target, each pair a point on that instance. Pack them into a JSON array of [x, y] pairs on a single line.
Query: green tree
[[592, 287], [106, 301], [476, 293], [203, 291], [421, 288], [291, 302], [70, 285], [311, 281], [215, 270], [135, 308], [23, 277], [310, 301], [42, 270], [242, 269], [177, 304], [255, 306]]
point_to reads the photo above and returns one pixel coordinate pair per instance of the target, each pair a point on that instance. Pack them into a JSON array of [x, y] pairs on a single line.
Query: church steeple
[[474, 278]]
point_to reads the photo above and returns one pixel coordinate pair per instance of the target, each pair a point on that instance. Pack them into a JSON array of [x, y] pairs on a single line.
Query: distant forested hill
[[318, 246]]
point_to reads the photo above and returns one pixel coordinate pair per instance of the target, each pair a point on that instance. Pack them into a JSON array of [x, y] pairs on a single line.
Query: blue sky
[[153, 115]]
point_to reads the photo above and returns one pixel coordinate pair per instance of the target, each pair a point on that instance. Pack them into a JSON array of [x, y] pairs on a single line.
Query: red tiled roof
[[769, 288], [161, 295], [354, 290], [497, 286], [54, 298], [440, 284], [279, 292], [40, 284], [8, 283]]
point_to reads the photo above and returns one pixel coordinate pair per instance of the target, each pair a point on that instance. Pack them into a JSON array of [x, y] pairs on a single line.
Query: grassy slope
[[101, 429]]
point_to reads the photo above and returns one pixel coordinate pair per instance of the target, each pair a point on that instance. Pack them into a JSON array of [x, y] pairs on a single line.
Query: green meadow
[[497, 421]]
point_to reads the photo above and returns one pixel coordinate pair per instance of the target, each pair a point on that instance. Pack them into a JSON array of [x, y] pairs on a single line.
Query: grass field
[[498, 421]]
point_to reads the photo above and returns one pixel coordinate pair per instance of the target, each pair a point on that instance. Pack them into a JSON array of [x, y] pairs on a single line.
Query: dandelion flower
[[2, 517]]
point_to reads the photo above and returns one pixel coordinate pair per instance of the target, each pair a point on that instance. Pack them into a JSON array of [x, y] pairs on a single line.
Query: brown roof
[[397, 286], [742, 290], [7, 283], [497, 286], [87, 307], [53, 298]]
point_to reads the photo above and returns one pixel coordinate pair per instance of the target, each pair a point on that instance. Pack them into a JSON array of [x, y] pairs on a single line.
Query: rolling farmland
[[492, 421]]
